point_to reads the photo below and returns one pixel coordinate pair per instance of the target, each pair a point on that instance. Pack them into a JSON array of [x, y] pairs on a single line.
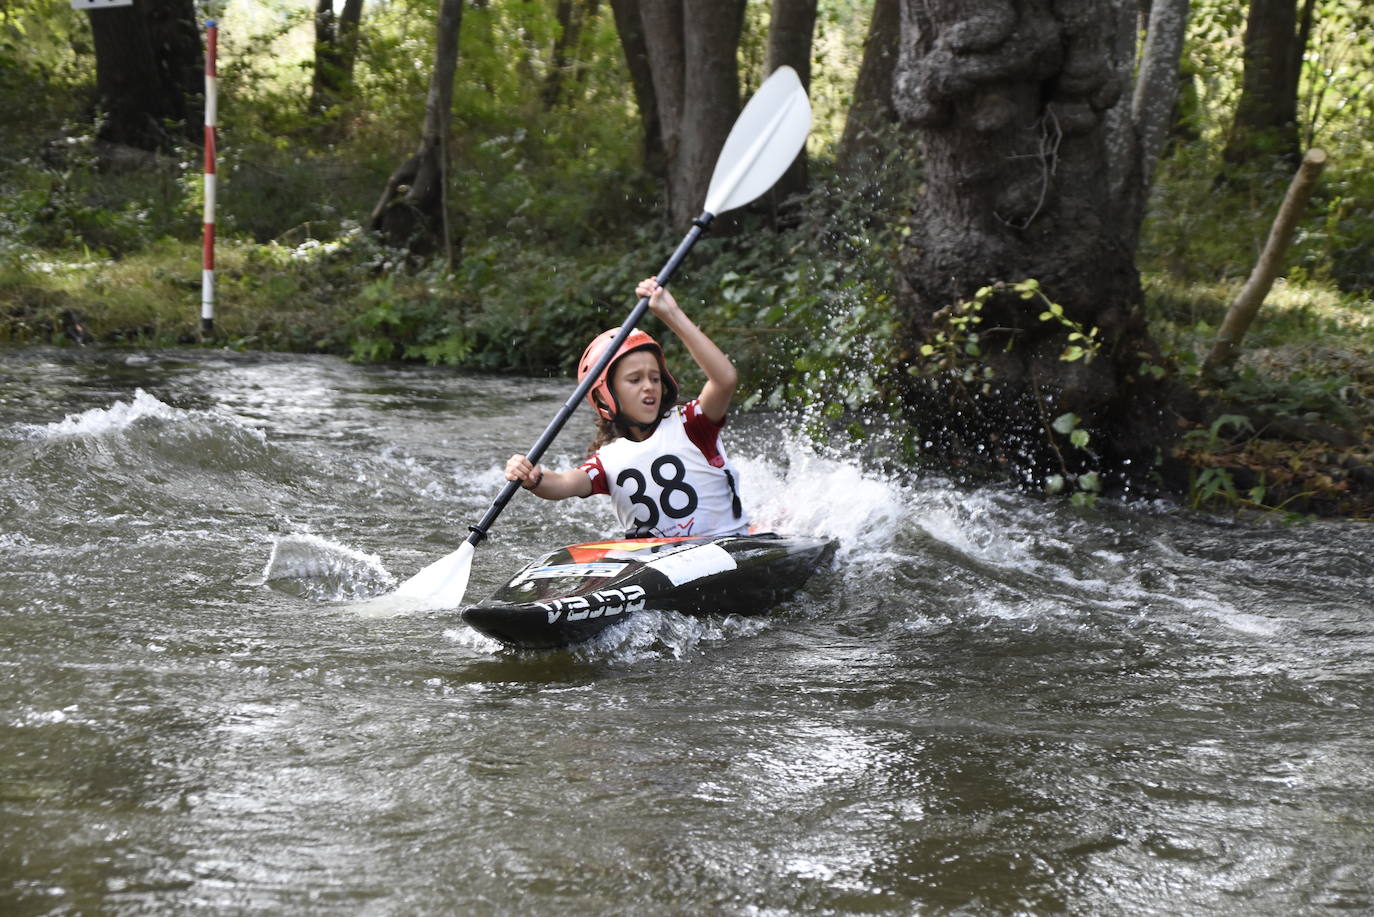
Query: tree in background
[[412, 211], [150, 70], [1137, 133], [790, 31], [336, 51], [631, 31], [1266, 119], [860, 146], [1011, 101], [692, 47], [573, 17]]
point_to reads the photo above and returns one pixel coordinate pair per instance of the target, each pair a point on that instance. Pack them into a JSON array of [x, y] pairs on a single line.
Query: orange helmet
[[600, 394]]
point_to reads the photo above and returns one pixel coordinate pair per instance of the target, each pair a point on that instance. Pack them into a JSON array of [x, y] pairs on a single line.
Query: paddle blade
[[765, 139], [441, 584]]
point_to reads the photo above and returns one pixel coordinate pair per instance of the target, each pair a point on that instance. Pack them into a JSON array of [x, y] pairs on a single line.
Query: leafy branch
[[1083, 343]]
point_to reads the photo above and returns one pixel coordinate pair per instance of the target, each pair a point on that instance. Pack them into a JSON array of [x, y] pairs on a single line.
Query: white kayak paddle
[[763, 142]]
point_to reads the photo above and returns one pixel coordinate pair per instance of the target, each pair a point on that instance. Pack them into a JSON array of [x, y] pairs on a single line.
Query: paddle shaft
[[536, 452]]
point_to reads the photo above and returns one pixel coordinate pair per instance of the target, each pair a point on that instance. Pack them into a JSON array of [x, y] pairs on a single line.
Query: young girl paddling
[[661, 463]]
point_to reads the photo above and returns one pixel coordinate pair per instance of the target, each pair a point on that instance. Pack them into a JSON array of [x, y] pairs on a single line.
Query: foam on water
[[471, 639], [118, 416], [1034, 569], [125, 415], [656, 635], [145, 443], [1051, 579]]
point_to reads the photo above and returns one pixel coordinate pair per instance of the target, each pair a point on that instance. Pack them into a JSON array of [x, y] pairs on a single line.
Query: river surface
[[990, 704]]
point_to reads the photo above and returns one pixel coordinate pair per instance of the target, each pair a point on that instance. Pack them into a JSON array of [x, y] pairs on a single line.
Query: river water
[[990, 705]]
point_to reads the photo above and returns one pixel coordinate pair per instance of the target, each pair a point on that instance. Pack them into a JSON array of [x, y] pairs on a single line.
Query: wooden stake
[[1247, 303]]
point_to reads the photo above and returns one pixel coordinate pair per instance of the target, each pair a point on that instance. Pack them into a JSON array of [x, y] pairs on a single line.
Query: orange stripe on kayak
[[586, 553]]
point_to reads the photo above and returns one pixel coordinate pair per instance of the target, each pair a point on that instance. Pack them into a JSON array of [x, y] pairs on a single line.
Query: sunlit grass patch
[[153, 297], [1300, 315], [1308, 354], [1316, 310]]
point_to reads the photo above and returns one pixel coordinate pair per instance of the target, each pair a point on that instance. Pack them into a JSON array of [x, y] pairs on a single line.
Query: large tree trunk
[[1010, 98], [1266, 121], [789, 44], [871, 110], [411, 212], [150, 68], [692, 48], [336, 51], [631, 31]]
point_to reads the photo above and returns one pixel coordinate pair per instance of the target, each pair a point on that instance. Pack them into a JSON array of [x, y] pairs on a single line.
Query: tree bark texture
[[631, 32], [1150, 116], [1010, 99], [790, 31], [150, 67], [871, 109], [411, 212], [692, 47], [1122, 145], [1266, 120]]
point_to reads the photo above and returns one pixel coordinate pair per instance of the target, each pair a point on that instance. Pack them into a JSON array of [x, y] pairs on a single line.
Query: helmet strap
[[619, 419], [646, 428]]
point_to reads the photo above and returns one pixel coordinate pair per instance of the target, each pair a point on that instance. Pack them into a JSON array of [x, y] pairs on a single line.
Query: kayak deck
[[573, 593]]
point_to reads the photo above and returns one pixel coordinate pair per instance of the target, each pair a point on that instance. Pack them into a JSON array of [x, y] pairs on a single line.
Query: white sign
[[99, 4], [694, 563]]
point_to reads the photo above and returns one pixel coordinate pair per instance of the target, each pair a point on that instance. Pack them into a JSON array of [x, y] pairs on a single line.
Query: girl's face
[[637, 384]]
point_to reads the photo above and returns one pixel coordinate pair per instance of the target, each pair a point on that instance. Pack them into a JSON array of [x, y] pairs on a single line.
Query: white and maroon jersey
[[675, 483]]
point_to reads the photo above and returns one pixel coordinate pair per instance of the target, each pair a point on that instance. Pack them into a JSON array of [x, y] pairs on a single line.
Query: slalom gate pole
[[207, 279]]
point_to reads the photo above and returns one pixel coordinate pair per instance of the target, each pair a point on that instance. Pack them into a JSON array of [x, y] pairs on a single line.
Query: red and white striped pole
[[207, 278]]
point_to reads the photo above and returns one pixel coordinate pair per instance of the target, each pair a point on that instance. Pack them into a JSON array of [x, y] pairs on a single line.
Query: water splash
[[802, 492], [659, 635], [122, 416], [119, 416], [308, 566]]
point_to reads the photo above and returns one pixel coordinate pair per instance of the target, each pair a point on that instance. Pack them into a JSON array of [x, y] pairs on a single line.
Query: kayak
[[572, 594]]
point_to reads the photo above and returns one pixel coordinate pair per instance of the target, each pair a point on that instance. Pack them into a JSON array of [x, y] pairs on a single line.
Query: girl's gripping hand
[[661, 302], [519, 468]]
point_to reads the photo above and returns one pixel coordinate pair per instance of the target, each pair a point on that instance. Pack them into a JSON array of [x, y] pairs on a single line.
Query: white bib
[[666, 487]]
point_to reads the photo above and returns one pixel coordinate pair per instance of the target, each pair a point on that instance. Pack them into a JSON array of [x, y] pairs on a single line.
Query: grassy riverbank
[[1299, 436], [91, 256]]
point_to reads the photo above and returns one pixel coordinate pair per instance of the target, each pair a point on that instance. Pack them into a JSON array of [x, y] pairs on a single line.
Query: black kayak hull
[[574, 593]]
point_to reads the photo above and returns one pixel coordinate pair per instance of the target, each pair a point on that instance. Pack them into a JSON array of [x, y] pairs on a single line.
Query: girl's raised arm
[[721, 377]]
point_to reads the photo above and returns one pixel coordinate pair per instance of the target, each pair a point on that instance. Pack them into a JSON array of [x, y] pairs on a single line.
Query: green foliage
[[62, 200], [1307, 357], [539, 308], [1088, 484], [1214, 484], [559, 221], [392, 326], [45, 62], [1082, 342], [1200, 228], [1299, 396], [956, 345]]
